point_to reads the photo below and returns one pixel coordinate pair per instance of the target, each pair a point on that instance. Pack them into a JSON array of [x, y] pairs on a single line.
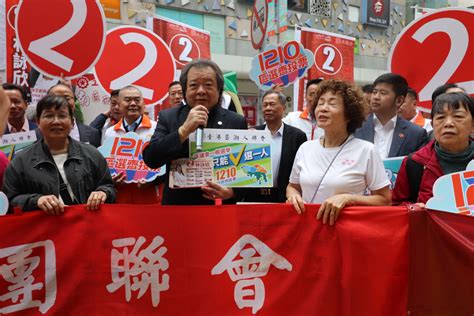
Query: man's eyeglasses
[[51, 117]]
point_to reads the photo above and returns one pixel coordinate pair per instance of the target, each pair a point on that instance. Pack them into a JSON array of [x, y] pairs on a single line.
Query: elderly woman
[[449, 152], [336, 169], [57, 170]]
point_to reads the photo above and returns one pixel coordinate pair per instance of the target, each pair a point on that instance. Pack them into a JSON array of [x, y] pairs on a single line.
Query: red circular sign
[[62, 38], [328, 59], [259, 22], [136, 56], [436, 49], [184, 49]]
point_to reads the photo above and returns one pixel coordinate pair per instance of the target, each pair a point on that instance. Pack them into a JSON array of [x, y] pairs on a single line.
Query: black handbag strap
[[67, 199]]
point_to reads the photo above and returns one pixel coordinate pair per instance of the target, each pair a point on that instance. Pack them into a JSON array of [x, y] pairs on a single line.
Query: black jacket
[[292, 139], [407, 137], [33, 174], [165, 146]]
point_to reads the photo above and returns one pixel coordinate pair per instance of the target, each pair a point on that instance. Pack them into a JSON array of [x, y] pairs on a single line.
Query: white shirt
[[59, 160], [383, 135], [356, 167], [276, 147], [307, 125], [24, 128], [75, 133], [141, 131]]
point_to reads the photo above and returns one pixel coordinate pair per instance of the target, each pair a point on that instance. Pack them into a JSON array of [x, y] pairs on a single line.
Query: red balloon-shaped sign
[[136, 56], [436, 49], [61, 38]]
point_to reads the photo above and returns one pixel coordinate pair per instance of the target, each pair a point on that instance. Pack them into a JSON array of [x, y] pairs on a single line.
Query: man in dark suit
[[79, 132], [203, 83], [17, 121], [392, 136], [286, 140]]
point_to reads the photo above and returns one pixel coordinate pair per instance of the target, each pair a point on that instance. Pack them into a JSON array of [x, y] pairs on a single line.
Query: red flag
[[441, 278]]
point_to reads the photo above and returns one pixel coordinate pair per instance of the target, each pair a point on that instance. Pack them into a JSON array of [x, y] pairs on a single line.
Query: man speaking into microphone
[[203, 83]]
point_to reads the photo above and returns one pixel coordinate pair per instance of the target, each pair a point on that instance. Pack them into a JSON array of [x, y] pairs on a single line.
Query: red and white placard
[[333, 59], [136, 56], [436, 49], [62, 38], [259, 23], [185, 41]]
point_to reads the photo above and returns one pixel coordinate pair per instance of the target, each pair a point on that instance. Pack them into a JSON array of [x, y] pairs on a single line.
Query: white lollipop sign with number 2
[[436, 49], [68, 41], [136, 56]]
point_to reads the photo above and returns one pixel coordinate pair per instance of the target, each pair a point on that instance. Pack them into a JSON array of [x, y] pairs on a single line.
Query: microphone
[[199, 138]]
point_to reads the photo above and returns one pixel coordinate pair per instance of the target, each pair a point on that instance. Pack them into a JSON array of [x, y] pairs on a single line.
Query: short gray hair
[[281, 96], [202, 64], [131, 87]]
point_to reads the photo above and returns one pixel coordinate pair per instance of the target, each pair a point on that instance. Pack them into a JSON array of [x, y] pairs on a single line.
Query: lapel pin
[[219, 123], [401, 135]]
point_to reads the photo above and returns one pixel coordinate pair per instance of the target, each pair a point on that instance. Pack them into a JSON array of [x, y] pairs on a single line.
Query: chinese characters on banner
[[333, 59], [282, 65], [30, 277], [138, 268], [203, 260], [124, 155], [17, 67], [241, 158]]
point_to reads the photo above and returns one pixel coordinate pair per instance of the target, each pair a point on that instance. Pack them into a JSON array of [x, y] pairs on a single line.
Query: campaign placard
[[454, 192], [241, 158], [52, 44], [436, 49], [186, 42], [333, 59], [3, 204], [392, 167], [191, 173], [280, 65], [124, 155], [12, 144], [136, 56]]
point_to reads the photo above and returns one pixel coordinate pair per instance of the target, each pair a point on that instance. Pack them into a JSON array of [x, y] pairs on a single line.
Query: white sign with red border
[[62, 38], [185, 41], [435, 49], [258, 24], [333, 59], [136, 56]]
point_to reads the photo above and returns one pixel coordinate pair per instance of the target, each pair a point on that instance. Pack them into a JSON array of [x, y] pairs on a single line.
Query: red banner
[[441, 264], [333, 59], [214, 260]]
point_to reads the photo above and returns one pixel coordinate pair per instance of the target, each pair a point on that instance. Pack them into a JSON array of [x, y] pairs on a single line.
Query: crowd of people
[[331, 153]]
